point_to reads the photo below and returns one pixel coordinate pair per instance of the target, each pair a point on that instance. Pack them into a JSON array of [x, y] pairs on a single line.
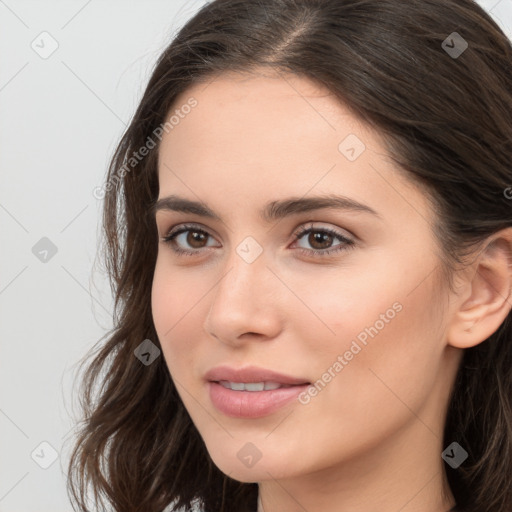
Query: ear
[[486, 297]]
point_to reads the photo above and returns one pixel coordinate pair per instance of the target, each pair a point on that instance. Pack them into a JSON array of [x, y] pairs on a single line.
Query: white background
[[60, 119]]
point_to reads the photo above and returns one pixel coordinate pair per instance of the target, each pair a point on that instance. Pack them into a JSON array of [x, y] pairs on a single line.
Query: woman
[[308, 229]]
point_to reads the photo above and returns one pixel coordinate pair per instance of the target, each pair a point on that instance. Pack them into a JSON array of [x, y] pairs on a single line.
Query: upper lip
[[251, 374]]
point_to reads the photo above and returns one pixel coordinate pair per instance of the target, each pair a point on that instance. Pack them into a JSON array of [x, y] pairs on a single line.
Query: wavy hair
[[447, 123]]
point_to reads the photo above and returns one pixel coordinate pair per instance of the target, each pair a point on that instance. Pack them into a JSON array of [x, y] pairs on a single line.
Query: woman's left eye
[[321, 236], [318, 236]]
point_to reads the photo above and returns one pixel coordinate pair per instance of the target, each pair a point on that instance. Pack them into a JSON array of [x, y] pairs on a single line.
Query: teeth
[[251, 386], [274, 385]]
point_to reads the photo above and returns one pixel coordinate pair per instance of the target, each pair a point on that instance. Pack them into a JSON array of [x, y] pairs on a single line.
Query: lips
[[251, 392], [252, 374]]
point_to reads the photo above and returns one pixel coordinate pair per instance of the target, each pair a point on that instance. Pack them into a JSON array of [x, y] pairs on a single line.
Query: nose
[[244, 303]]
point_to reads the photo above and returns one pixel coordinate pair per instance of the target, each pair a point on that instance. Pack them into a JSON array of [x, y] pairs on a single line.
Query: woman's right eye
[[190, 235]]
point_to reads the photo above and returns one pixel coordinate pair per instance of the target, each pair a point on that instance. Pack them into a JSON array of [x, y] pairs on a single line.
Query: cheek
[[384, 350], [173, 305]]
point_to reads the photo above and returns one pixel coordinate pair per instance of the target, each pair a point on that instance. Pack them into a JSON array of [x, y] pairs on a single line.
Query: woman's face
[[360, 320]]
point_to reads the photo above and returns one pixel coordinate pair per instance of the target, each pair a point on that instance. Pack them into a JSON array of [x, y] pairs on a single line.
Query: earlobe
[[490, 294]]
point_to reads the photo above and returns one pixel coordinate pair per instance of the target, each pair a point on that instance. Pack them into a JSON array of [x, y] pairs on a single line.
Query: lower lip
[[252, 404]]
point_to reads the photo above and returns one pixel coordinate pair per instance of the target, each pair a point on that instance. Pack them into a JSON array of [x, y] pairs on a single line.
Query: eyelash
[[346, 245]]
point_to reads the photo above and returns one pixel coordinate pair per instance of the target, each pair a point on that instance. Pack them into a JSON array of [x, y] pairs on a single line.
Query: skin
[[371, 439]]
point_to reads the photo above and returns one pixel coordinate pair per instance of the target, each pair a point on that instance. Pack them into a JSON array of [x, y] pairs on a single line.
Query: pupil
[[319, 237], [196, 237]]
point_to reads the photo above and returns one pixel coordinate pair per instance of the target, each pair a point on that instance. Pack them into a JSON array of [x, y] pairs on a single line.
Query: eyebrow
[[273, 210]]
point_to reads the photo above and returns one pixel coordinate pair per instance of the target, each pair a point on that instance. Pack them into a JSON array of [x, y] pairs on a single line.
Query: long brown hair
[[446, 119]]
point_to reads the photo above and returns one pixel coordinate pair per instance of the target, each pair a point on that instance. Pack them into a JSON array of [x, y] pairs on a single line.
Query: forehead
[[260, 121], [274, 136], [263, 103]]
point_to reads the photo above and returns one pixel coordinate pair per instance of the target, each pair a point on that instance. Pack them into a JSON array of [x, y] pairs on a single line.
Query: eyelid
[[185, 226], [300, 229], [309, 223], [347, 242]]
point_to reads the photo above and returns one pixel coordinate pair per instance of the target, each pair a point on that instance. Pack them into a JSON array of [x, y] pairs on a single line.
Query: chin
[[239, 466]]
